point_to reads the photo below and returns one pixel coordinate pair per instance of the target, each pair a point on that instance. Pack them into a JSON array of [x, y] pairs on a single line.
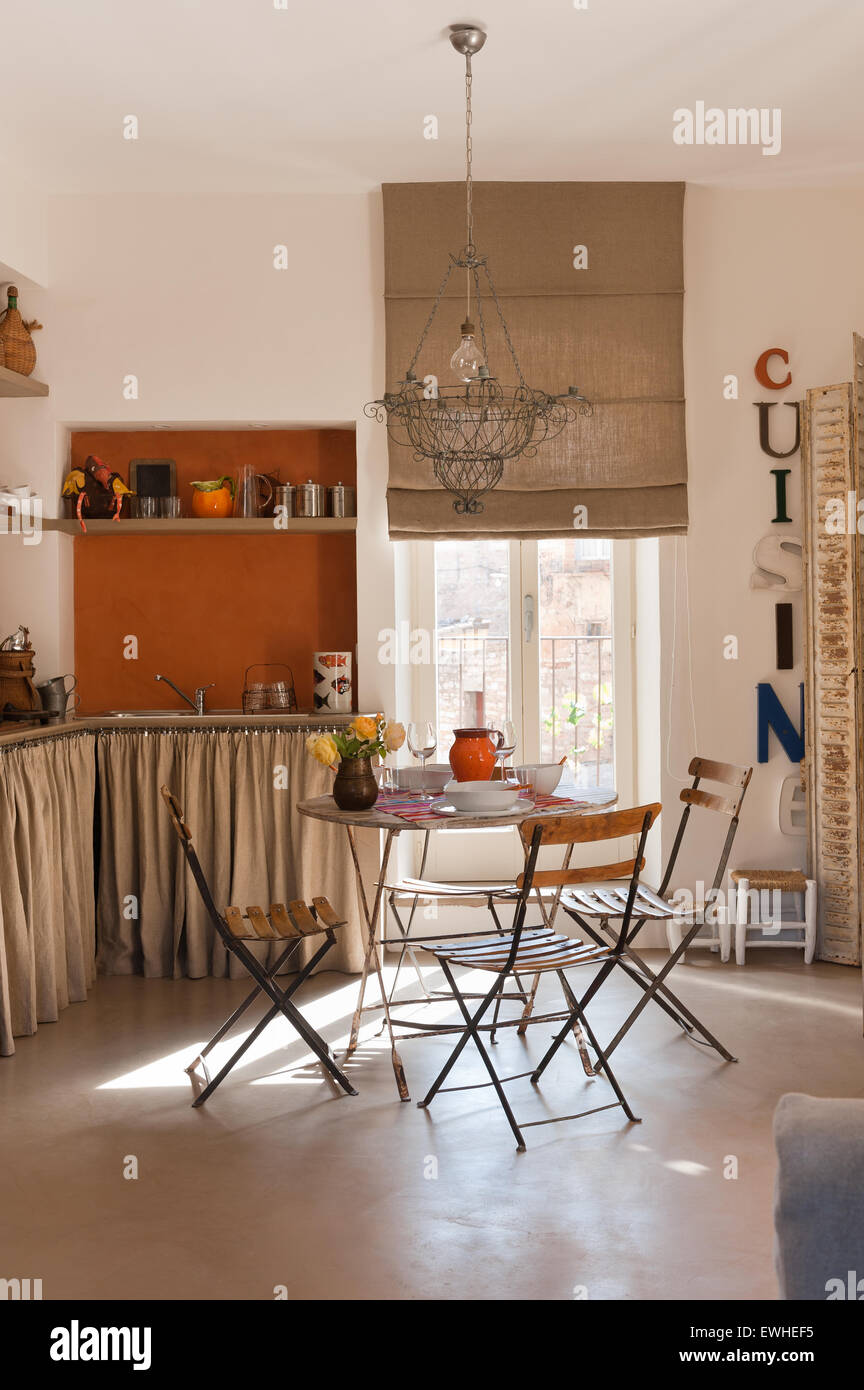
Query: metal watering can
[[55, 696]]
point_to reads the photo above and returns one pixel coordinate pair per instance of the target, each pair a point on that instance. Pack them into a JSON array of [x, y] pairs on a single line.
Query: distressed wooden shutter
[[831, 468]]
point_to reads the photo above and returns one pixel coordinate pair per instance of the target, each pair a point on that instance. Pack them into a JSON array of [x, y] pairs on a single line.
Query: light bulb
[[467, 359]]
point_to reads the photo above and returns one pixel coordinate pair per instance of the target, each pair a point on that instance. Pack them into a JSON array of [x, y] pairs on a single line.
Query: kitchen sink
[[162, 713]]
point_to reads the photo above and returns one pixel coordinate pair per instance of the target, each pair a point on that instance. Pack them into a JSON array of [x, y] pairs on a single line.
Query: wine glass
[[422, 740], [506, 743]]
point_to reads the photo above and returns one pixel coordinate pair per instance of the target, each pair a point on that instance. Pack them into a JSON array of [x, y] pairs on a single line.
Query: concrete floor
[[278, 1181]]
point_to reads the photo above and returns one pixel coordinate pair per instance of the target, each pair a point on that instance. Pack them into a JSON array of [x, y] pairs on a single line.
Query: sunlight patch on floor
[[169, 1071]]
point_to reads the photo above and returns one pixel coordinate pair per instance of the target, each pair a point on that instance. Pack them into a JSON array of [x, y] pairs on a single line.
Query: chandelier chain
[[439, 296], [507, 337], [469, 184], [469, 153], [476, 274]]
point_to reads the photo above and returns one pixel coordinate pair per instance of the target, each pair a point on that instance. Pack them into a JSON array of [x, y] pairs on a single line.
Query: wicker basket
[[19, 349], [276, 696], [16, 681]]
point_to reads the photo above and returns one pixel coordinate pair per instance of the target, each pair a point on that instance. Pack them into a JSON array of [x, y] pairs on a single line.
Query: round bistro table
[[586, 801]]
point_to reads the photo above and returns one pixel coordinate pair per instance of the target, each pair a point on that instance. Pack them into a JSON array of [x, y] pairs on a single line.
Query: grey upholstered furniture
[[819, 1198]]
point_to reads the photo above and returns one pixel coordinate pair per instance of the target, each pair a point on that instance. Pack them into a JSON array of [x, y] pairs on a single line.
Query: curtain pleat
[[47, 937], [239, 791]]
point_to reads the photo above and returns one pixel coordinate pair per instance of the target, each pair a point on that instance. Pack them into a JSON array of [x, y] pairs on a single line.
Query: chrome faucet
[[200, 693]]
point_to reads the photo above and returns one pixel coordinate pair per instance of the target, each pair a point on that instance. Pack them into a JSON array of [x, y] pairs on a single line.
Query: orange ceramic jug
[[215, 498], [472, 756]]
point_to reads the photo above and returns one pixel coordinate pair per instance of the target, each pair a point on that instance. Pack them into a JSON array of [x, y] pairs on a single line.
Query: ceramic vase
[[331, 681]]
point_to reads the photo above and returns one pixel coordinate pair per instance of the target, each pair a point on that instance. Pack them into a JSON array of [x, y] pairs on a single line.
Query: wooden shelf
[[14, 384], [209, 526]]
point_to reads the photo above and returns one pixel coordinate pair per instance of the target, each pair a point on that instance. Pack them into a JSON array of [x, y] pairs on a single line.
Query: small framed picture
[[153, 477]]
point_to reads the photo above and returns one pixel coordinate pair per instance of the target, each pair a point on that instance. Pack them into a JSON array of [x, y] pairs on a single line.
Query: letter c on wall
[[760, 371]]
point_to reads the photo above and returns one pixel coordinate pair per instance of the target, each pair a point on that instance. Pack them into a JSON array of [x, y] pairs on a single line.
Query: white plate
[[446, 808]]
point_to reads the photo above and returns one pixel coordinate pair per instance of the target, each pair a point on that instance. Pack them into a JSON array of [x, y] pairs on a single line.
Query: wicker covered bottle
[[19, 349]]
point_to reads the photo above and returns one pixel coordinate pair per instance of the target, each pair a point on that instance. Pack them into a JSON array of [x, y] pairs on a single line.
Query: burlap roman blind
[[613, 329]]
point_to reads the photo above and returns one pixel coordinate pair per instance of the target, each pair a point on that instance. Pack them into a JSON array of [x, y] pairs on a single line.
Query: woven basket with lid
[[18, 346]]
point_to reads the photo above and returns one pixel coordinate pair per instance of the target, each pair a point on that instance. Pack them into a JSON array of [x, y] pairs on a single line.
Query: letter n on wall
[[770, 714]]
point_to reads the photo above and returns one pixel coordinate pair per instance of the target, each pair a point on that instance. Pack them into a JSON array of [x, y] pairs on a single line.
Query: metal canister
[[341, 501], [284, 496], [309, 499]]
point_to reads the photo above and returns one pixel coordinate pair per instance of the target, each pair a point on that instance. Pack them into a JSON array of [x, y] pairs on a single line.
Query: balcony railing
[[579, 668], [474, 685]]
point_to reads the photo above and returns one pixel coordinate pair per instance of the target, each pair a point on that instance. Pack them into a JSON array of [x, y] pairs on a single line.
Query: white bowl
[[542, 777], [433, 778], [493, 797]]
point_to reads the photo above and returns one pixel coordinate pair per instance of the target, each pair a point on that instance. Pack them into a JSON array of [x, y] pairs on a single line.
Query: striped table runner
[[412, 808]]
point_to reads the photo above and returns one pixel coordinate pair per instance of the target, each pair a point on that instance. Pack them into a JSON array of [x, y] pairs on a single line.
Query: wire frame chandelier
[[469, 431]]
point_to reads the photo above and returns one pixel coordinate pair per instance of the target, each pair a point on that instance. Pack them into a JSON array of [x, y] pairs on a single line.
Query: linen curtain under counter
[[145, 908], [239, 789]]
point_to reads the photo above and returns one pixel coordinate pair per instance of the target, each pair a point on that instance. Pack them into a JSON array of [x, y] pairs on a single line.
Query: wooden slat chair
[[410, 892], [595, 910], [538, 950], [292, 924]]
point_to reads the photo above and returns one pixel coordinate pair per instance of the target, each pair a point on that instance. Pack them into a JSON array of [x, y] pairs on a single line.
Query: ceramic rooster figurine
[[98, 489]]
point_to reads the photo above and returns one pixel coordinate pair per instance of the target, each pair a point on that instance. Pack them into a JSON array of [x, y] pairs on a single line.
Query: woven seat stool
[[767, 922]]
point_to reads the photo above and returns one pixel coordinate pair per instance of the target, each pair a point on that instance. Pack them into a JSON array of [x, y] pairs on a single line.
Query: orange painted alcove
[[203, 608]]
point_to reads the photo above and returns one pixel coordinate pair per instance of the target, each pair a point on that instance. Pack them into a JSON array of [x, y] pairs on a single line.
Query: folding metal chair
[[292, 924], [537, 950], [586, 906], [415, 889]]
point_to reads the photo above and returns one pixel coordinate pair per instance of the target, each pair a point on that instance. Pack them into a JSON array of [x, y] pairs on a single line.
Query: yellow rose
[[364, 727], [322, 747], [394, 736]]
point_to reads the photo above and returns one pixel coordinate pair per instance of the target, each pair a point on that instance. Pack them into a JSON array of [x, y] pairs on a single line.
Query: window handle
[[528, 616]]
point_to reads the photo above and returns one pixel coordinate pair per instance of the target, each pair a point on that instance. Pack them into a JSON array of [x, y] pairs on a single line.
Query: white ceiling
[[330, 95]]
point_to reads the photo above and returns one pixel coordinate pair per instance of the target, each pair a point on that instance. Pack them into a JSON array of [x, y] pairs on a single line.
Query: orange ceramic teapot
[[472, 756]]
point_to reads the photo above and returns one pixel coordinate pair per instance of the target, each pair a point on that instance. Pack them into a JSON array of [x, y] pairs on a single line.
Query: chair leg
[[577, 1026], [605, 970], [644, 976], [471, 1023], [406, 932], [610, 1075], [463, 1040], [282, 1000], [742, 917], [241, 1008], [809, 921], [529, 1007], [651, 993], [519, 986], [235, 1057], [405, 949], [740, 943], [673, 934]]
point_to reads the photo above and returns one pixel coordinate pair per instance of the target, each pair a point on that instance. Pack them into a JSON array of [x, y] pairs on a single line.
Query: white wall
[[182, 293], [23, 233], [762, 270]]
